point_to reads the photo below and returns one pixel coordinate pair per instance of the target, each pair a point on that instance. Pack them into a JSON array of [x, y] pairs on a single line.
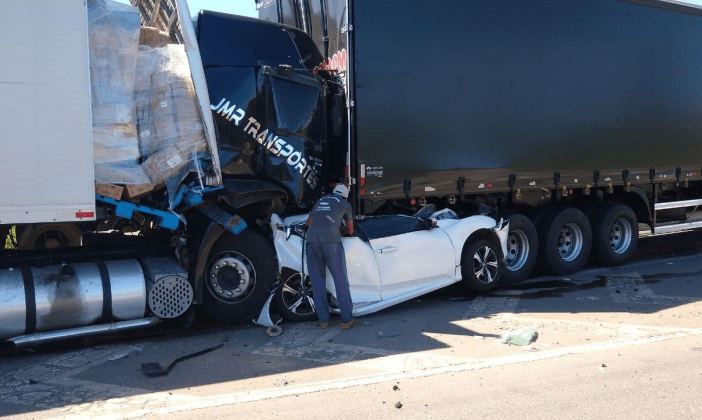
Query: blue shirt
[[327, 215]]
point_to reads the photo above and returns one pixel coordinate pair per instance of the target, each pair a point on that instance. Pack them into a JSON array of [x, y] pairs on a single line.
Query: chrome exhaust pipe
[[91, 330]]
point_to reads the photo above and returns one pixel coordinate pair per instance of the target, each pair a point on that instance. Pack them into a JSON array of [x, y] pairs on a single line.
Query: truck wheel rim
[[570, 242], [620, 236], [517, 250], [297, 295], [485, 265], [231, 277]]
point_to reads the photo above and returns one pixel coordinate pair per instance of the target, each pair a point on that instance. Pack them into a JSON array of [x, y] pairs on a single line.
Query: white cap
[[341, 190]]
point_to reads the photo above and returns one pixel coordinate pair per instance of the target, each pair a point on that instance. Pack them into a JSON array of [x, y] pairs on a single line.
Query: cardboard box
[[135, 192], [164, 164], [109, 190]]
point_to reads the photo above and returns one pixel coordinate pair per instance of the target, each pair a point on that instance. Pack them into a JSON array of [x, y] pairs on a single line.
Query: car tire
[[522, 249], [565, 240], [239, 276], [294, 298], [615, 234], [480, 263]]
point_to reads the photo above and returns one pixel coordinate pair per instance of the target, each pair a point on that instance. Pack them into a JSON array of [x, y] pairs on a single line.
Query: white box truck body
[[46, 164]]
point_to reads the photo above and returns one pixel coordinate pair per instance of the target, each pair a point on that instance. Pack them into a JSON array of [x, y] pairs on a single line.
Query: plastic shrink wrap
[[172, 139], [148, 131], [114, 42]]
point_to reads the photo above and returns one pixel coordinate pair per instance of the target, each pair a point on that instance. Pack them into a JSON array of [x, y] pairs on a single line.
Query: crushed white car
[[391, 259]]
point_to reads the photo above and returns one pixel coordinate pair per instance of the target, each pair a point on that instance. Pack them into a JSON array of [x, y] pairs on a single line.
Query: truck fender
[[241, 192], [212, 233], [644, 207]]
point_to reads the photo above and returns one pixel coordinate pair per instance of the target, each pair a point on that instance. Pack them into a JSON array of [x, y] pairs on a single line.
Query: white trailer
[[46, 162]]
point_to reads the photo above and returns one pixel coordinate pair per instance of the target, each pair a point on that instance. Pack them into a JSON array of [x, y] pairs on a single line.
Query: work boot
[[350, 324], [323, 325]]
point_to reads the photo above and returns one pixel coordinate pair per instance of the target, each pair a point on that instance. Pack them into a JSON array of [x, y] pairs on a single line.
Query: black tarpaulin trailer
[[464, 96]]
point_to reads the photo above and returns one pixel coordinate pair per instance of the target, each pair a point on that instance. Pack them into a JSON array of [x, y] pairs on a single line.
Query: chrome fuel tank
[[59, 297]]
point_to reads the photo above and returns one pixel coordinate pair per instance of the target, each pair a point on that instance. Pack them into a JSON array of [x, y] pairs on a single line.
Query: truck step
[[91, 330]]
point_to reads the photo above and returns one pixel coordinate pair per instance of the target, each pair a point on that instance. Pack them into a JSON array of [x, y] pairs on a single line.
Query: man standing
[[324, 249]]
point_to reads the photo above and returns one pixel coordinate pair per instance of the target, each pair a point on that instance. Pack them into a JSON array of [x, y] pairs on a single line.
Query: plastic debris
[[274, 331], [519, 338], [479, 337]]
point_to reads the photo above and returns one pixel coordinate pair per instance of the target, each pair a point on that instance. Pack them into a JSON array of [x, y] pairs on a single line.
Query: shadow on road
[[98, 369]]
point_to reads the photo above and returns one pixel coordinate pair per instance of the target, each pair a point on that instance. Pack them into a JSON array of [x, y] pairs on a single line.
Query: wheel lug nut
[[237, 290]]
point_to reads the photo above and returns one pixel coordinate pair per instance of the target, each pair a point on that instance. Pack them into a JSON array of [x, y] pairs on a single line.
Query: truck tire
[[522, 249], [240, 274], [615, 234], [49, 235], [565, 240], [294, 299], [480, 263]]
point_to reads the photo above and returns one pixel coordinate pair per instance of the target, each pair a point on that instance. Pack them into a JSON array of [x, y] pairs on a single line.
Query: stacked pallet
[[147, 127]]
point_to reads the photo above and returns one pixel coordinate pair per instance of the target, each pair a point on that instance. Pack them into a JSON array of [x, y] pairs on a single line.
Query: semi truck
[[575, 121], [124, 202], [578, 121]]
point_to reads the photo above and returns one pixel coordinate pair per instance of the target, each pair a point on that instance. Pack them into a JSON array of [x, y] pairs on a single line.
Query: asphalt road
[[623, 342]]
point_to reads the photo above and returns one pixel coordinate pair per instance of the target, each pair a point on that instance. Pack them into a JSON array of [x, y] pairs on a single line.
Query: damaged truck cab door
[[270, 110]]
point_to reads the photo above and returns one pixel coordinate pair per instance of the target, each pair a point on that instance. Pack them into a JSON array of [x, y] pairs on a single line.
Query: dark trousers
[[321, 255]]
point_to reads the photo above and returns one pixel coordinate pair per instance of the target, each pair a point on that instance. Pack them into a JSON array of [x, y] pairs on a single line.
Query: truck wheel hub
[[570, 242], [230, 276], [517, 250], [620, 236]]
